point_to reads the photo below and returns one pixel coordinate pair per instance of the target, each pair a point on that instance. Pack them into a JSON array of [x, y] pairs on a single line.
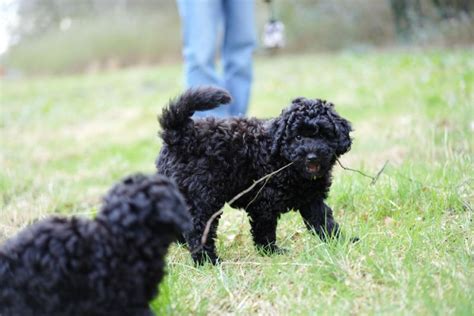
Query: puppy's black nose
[[311, 158]]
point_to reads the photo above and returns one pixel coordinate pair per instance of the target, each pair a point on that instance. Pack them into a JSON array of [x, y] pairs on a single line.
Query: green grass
[[65, 140]]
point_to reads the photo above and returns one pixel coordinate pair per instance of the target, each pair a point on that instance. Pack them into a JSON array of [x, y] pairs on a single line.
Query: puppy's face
[[311, 135]]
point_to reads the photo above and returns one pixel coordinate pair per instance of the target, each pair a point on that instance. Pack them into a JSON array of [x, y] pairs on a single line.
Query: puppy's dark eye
[[298, 137], [328, 132], [309, 131]]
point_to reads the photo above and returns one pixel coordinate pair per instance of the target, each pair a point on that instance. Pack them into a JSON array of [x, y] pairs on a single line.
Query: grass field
[[65, 140]]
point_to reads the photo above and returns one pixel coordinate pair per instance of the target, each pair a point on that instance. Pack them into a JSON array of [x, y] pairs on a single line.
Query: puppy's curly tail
[[182, 108]]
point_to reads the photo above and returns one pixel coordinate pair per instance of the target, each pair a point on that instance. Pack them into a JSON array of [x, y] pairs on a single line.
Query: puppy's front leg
[[264, 232], [318, 218]]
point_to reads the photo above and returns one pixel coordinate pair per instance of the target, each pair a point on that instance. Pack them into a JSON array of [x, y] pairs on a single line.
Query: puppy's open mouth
[[312, 167]]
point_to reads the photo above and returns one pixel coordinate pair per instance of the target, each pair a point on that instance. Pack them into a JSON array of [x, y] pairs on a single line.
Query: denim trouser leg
[[237, 50], [200, 25], [201, 21]]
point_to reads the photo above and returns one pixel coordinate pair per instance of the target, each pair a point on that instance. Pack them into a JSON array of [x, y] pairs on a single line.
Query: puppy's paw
[[272, 249], [202, 258]]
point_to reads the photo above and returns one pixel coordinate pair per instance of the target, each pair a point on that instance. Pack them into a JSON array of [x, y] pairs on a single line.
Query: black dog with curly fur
[[213, 159], [108, 266]]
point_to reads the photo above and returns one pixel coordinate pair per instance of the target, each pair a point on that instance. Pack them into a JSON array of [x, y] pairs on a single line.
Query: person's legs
[[200, 25], [238, 46]]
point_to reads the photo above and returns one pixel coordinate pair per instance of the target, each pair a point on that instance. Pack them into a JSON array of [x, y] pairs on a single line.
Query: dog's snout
[[311, 157]]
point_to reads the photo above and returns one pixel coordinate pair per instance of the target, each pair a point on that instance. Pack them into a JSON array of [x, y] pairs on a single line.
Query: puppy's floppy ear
[[281, 124], [343, 129], [278, 130]]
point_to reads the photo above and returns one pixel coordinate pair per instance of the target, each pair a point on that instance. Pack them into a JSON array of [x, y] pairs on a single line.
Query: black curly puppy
[[212, 160], [108, 266]]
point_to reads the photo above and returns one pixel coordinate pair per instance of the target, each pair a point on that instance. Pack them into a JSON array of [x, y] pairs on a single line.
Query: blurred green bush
[[100, 42], [62, 36]]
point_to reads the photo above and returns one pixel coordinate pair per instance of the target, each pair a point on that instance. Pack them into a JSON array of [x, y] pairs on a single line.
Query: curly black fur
[[212, 160], [107, 266]]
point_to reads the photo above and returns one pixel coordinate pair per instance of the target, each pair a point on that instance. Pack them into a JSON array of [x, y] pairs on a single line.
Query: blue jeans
[[203, 21]]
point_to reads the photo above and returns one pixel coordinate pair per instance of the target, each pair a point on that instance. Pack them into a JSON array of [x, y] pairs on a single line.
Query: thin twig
[[374, 179], [235, 198], [258, 193], [238, 196], [267, 263], [243, 263], [424, 185]]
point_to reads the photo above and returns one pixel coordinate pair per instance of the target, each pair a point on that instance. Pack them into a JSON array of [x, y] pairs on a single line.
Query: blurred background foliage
[[64, 36]]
